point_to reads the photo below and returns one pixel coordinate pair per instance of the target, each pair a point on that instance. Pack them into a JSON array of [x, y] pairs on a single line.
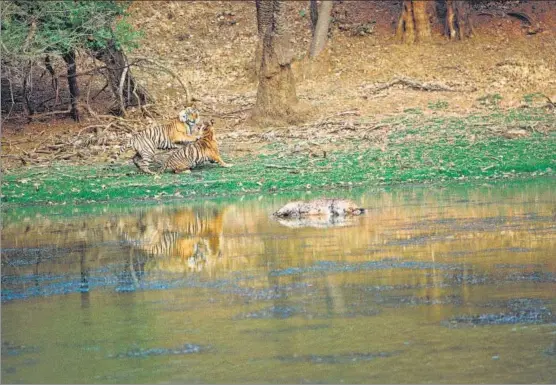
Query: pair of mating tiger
[[194, 150]]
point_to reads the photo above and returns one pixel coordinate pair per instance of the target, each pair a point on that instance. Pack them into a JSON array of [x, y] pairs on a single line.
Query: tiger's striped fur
[[182, 240], [163, 136], [204, 149]]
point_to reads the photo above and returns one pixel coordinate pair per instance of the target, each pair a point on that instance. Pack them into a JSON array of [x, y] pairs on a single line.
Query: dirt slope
[[211, 44], [215, 53]]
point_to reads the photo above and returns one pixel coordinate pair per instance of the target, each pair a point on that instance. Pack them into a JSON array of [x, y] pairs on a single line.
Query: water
[[443, 285]]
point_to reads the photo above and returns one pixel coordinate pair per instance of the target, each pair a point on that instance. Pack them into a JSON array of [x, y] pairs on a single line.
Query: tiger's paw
[[226, 165], [156, 176]]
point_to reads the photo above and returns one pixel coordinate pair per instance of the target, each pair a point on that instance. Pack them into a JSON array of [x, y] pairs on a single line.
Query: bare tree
[[276, 96], [414, 24], [122, 83], [458, 22], [320, 35]]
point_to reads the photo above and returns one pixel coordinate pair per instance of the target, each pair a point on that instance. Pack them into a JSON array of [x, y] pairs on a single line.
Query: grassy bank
[[417, 149]]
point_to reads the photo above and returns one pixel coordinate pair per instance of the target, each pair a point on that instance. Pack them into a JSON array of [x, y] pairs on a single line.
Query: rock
[[319, 207]]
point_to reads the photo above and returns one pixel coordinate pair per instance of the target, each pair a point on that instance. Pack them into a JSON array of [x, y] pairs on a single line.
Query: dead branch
[[344, 113], [121, 91], [280, 166], [417, 85], [35, 116]]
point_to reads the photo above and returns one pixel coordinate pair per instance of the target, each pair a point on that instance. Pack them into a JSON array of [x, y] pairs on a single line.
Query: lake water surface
[[435, 284]]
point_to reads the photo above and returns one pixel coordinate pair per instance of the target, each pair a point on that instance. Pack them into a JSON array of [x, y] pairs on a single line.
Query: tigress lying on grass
[[163, 136], [204, 149]]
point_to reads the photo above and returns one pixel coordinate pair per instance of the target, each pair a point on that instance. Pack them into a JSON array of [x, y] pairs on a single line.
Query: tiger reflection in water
[[180, 241]]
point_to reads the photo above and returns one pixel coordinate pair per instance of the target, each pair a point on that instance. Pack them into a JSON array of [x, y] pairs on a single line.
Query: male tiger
[[162, 136], [204, 149]]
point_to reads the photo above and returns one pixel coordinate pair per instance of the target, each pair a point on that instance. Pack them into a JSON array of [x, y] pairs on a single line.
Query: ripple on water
[[321, 267], [519, 311], [143, 353], [335, 358], [11, 349]]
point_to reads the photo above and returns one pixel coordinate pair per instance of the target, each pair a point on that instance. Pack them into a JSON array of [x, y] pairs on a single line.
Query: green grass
[[420, 150]]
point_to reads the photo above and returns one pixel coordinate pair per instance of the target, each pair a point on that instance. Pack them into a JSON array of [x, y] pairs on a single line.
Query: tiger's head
[[206, 130], [191, 117]]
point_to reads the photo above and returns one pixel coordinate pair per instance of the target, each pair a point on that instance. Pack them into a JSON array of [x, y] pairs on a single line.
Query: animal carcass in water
[[323, 212]]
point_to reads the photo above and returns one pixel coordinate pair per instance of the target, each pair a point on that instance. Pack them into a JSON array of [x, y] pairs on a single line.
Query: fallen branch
[[281, 167], [418, 85], [344, 113], [533, 25], [50, 113]]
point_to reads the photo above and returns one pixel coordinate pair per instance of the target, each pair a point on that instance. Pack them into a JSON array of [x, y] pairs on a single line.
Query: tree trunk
[[264, 16], [124, 87], [276, 96], [50, 69], [28, 105], [414, 24], [320, 35], [264, 21], [458, 22], [314, 10], [422, 23], [406, 25], [69, 58]]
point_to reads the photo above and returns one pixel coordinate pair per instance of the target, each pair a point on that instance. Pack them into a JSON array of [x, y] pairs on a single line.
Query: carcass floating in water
[[318, 213]]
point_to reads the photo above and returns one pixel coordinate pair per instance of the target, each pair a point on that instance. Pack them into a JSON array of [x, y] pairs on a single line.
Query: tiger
[[204, 149], [163, 136], [184, 240]]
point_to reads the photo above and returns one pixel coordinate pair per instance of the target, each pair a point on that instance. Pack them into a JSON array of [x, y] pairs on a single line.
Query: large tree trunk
[[122, 83], [320, 35], [264, 21], [314, 10], [458, 22], [414, 24], [276, 96], [69, 58]]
